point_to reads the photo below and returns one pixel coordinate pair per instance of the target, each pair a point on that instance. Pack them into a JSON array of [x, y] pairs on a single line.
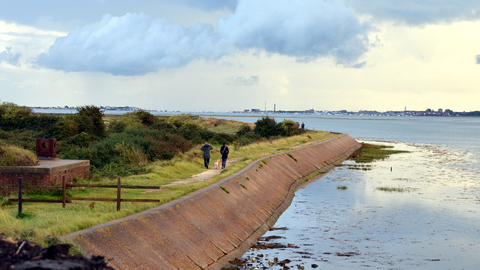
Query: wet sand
[[429, 221]]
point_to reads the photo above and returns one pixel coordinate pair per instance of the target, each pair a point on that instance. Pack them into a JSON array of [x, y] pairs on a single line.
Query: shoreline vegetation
[[137, 147]]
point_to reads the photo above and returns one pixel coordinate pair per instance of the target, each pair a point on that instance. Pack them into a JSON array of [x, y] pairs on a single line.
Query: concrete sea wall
[[209, 227]]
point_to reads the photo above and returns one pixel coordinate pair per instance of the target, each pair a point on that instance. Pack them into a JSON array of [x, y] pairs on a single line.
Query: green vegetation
[[392, 189], [371, 153], [292, 157], [11, 155], [342, 187], [139, 147], [225, 189], [362, 167], [243, 186], [268, 127]]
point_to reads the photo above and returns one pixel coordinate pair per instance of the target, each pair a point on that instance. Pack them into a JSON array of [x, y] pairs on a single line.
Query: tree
[[266, 127], [90, 120]]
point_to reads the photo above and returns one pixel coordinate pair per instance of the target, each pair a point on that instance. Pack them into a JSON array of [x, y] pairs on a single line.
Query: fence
[[66, 200]]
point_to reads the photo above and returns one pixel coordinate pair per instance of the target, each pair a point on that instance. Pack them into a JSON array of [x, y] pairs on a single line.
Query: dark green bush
[[267, 127]]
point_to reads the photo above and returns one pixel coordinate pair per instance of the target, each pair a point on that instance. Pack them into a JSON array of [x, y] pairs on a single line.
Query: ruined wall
[[207, 228], [47, 173]]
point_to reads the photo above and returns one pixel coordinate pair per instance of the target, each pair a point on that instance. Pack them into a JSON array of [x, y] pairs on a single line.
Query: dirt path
[[211, 172], [203, 176]]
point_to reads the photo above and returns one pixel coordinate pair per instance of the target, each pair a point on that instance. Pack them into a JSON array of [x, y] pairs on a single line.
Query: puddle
[[433, 224]]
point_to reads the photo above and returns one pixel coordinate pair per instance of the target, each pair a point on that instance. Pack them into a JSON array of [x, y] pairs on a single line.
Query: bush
[[156, 145], [244, 129], [289, 128], [16, 156], [267, 127], [90, 120]]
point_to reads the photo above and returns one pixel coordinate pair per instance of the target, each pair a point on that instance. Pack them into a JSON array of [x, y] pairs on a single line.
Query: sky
[[231, 55]]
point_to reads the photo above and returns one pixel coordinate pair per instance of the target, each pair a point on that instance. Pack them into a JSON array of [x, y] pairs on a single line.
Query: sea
[[414, 210]]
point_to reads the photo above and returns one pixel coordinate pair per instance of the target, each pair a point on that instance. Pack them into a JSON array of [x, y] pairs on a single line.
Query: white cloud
[[132, 44], [136, 44]]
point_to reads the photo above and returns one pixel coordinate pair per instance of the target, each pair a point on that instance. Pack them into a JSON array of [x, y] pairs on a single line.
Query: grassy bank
[[41, 220]]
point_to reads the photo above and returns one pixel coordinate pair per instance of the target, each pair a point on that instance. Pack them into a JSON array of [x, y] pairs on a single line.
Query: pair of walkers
[[206, 148]]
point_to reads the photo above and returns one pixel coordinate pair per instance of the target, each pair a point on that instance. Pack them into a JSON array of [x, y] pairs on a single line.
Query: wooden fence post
[[119, 189], [64, 191], [19, 195]]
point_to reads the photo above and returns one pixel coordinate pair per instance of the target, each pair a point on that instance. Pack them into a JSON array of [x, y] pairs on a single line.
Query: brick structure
[[47, 148], [47, 173]]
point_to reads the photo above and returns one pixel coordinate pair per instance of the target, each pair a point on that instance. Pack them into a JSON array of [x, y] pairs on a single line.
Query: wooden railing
[[66, 200]]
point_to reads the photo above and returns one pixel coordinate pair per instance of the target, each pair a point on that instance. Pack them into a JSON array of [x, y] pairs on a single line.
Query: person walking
[[224, 151], [206, 148]]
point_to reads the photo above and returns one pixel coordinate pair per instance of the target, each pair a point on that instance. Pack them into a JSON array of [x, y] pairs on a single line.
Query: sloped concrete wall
[[209, 227]]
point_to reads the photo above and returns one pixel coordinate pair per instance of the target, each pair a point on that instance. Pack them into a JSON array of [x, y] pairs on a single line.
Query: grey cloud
[[252, 80], [8, 57], [305, 29], [64, 15], [478, 59], [359, 65], [418, 12], [135, 44]]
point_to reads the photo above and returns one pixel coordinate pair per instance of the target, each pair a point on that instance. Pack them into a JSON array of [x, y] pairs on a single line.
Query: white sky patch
[[246, 81]]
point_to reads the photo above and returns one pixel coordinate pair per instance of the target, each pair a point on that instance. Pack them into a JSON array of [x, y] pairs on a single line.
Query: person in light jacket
[[206, 148]]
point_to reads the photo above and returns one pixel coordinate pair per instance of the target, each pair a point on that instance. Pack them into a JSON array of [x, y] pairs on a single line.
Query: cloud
[[135, 44], [305, 29], [252, 80], [359, 65], [478, 59], [415, 12], [8, 57]]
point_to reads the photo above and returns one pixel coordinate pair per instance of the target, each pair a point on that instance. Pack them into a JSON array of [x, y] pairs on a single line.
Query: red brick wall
[[8, 179]]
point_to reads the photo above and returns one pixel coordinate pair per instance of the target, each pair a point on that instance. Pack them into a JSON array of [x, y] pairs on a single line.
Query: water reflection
[[431, 224]]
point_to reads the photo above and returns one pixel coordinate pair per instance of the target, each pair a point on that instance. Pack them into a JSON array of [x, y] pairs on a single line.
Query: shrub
[[267, 127], [90, 120], [16, 156], [289, 128], [244, 129]]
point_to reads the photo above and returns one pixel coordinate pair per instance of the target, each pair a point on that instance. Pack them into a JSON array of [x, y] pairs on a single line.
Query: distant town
[[405, 112]]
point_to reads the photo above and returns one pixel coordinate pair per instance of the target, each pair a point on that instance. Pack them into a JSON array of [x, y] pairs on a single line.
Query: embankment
[[211, 226]]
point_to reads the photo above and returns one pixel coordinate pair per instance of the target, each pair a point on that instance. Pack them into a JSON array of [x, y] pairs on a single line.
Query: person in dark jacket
[[206, 148], [224, 151]]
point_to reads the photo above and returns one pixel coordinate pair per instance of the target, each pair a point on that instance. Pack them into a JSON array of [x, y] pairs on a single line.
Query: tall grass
[[11, 155]]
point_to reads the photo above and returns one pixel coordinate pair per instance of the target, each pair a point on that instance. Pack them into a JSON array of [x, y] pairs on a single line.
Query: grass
[[371, 153], [221, 125], [51, 219], [392, 189], [11, 155]]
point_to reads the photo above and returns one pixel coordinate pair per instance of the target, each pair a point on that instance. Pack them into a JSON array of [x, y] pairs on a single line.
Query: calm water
[[432, 222]]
